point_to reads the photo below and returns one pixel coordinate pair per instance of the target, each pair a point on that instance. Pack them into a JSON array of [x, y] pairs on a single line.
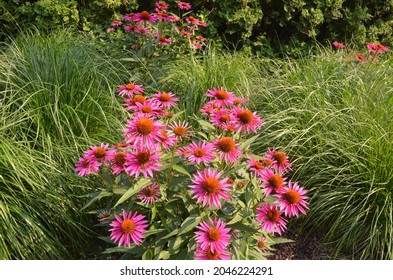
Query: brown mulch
[[303, 248]]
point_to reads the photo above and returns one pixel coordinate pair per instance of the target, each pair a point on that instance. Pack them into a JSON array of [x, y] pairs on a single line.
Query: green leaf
[[181, 169], [164, 255], [148, 255], [235, 219], [206, 125], [248, 142], [97, 196], [137, 187], [189, 224]]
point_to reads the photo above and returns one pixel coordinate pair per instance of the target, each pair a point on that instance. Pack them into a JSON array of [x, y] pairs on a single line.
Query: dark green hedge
[[262, 24]]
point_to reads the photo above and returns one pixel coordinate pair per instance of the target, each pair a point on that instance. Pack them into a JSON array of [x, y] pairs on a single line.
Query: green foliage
[[55, 99]]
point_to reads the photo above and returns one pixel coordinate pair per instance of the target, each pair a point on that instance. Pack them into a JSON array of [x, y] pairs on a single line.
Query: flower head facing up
[[246, 121], [149, 194], [143, 160], [271, 219], [167, 139], [360, 57], [221, 97], [100, 153], [257, 166], [262, 244], [377, 48], [209, 188], [338, 45], [292, 199], [144, 16], [184, 5], [118, 160], [207, 254], [130, 227], [227, 149], [213, 235], [130, 89], [142, 131], [279, 160], [85, 166], [272, 182], [199, 152], [180, 129], [165, 99]]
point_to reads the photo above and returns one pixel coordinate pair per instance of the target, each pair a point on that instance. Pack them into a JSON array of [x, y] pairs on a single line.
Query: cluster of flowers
[[153, 24], [150, 132], [372, 48]]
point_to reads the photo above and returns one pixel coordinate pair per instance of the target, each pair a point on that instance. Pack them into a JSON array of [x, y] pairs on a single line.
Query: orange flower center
[[199, 152], [162, 39], [267, 162], [225, 118], [276, 181], [258, 165], [273, 215], [222, 95], [246, 117], [149, 192], [230, 181], [120, 158], [211, 185], [179, 130], [146, 109], [213, 234], [226, 145], [165, 97], [280, 157], [191, 18], [145, 15], [99, 152], [142, 157], [261, 245], [145, 126], [127, 226], [164, 135], [210, 255], [130, 86], [139, 98], [292, 196], [85, 163], [230, 128]]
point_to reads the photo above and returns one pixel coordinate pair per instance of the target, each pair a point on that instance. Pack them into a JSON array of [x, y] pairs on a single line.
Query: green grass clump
[[56, 98], [334, 120]]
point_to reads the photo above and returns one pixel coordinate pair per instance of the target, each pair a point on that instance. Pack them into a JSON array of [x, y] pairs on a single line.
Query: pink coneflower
[[199, 152], [220, 118], [197, 45], [292, 199], [132, 226], [165, 99], [238, 101], [200, 38], [377, 48], [100, 153], [85, 166], [246, 121], [338, 45], [181, 129], [149, 108], [142, 131], [143, 160], [149, 194], [210, 108], [279, 160], [209, 188], [271, 181], [227, 149], [103, 216], [214, 236], [262, 244], [117, 23], [221, 96], [161, 5], [118, 160], [382, 48], [207, 254], [129, 17], [131, 103], [192, 20], [142, 30], [360, 57], [162, 40], [131, 28], [256, 166], [110, 30], [144, 17], [271, 219], [184, 6], [167, 139], [130, 89]]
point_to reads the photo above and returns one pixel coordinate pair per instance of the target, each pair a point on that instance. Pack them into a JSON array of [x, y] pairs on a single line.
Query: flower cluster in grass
[[202, 184], [161, 31], [373, 51]]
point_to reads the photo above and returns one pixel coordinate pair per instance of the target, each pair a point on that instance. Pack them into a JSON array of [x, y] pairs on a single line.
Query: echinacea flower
[[130, 227], [200, 152], [143, 160], [131, 103], [85, 166], [118, 160], [208, 187], [221, 96], [167, 139], [214, 236], [181, 129], [129, 17], [117, 23], [142, 131], [271, 219], [103, 216], [144, 17], [207, 254], [184, 5], [279, 160], [162, 40], [338, 45], [221, 117], [256, 166], [165, 99], [246, 121], [142, 30], [262, 244], [130, 89], [227, 149], [149, 108], [360, 57], [149, 194], [161, 5], [271, 181], [292, 199], [100, 153], [210, 108]]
